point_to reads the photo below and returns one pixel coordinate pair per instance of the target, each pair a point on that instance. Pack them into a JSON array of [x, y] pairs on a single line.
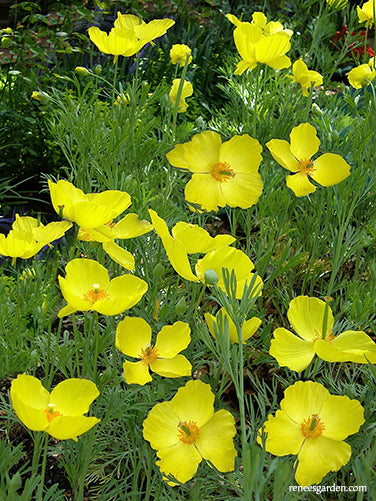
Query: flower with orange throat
[[313, 321], [223, 173], [296, 156], [87, 286], [59, 413], [186, 430], [133, 338], [313, 425]]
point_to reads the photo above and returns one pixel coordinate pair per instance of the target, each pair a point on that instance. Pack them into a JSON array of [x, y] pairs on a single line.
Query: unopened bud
[[211, 277], [159, 270], [98, 69], [181, 307], [80, 70]]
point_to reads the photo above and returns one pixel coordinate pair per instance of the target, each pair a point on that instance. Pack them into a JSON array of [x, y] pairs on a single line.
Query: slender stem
[[44, 463], [255, 104]]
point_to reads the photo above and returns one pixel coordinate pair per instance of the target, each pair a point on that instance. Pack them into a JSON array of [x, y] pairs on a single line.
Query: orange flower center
[[51, 413], [95, 294], [149, 355], [222, 172], [329, 337], [110, 224], [306, 166], [312, 427], [188, 432]]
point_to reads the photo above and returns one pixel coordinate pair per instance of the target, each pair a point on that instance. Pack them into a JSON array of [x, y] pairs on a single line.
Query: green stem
[[44, 463], [309, 104], [255, 104], [175, 108]]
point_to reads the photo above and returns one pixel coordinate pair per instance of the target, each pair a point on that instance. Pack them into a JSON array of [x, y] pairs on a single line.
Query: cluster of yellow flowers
[[311, 423]]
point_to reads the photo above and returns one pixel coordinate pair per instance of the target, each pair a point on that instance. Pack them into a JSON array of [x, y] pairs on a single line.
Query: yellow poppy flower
[[87, 286], [362, 75], [186, 430], [186, 92], [313, 424], [306, 316], [271, 27], [59, 413], [191, 239], [128, 227], [87, 210], [223, 173], [28, 236], [254, 47], [133, 338], [303, 76], [248, 329], [326, 170], [179, 53], [365, 13], [128, 35]]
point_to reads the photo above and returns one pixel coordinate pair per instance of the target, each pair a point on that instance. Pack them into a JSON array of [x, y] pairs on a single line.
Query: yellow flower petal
[[350, 346], [291, 351], [124, 292], [197, 240], [318, 457], [283, 436], [73, 397], [131, 226], [243, 190], [136, 373], [200, 154], [361, 76], [132, 335], [65, 427], [249, 326], [119, 255], [215, 441], [271, 50], [300, 185], [303, 399], [306, 316], [203, 398], [304, 141], [180, 460], [161, 426], [51, 231], [341, 416], [174, 248], [205, 191], [172, 367], [330, 169], [29, 398], [172, 339], [281, 152], [243, 153], [81, 275], [154, 29]]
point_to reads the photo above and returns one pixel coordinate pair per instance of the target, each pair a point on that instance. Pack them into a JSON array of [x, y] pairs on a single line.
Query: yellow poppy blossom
[[313, 425], [28, 236], [327, 170], [128, 227], [254, 47], [128, 35], [248, 329], [179, 53], [59, 413], [218, 254], [362, 75], [306, 316], [366, 13], [87, 210], [223, 173], [186, 430], [133, 338], [87, 286], [260, 20], [186, 92], [303, 76]]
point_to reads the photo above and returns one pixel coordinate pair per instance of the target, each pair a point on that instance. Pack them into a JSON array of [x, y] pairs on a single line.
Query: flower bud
[[210, 277], [83, 72], [98, 69]]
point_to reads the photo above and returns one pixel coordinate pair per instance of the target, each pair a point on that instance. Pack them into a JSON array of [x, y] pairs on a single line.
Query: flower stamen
[[306, 166], [51, 413], [95, 294], [312, 427], [222, 172], [149, 355], [188, 432]]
